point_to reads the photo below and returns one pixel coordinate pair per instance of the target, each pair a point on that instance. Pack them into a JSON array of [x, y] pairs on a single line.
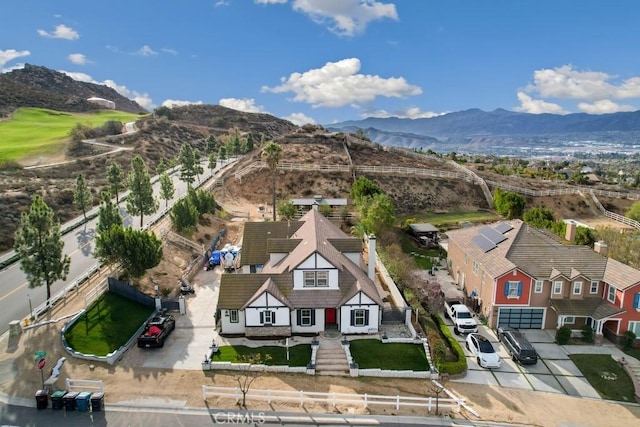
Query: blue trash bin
[[82, 401]]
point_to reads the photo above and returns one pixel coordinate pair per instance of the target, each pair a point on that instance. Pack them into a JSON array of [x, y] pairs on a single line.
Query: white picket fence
[[333, 399], [85, 385]]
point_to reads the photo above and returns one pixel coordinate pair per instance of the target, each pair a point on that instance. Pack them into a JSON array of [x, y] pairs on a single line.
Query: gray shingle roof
[[621, 275], [256, 236], [594, 307]]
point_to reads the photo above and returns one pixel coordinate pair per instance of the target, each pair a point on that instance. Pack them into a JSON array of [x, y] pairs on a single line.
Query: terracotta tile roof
[[594, 307], [621, 275]]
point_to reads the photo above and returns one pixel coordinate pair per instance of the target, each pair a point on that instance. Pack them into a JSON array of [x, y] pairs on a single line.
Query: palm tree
[[271, 154]]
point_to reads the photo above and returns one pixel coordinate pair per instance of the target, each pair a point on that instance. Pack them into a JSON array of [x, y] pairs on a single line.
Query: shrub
[[563, 334], [587, 334], [459, 366], [628, 340]]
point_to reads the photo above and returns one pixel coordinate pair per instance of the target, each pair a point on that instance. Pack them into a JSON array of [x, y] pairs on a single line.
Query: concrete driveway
[[554, 372]]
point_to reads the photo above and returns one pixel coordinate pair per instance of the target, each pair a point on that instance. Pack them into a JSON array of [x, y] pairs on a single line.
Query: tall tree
[[140, 201], [287, 210], [211, 143], [167, 189], [187, 164], [364, 187], [184, 215], [377, 213], [222, 153], [82, 198], [115, 177], [161, 167], [197, 165], [135, 251], [213, 160], [108, 214], [271, 154], [39, 245], [509, 204], [250, 143], [634, 211]]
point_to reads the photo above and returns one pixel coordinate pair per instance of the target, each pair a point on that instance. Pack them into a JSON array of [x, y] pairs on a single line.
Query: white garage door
[[521, 318]]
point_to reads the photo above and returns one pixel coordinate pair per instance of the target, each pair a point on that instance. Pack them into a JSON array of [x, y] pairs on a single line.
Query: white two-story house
[[298, 277]]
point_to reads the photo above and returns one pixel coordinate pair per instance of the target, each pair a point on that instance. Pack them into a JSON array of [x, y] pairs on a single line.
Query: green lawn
[[299, 355], [372, 353], [107, 325], [41, 131], [454, 217], [595, 367], [421, 256]]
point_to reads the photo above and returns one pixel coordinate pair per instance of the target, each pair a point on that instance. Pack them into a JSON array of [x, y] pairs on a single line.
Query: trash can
[[82, 401], [97, 402], [42, 399], [57, 401], [70, 400]]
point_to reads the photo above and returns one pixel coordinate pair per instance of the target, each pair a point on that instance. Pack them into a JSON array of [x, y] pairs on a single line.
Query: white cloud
[[220, 3], [141, 98], [537, 106], [300, 119], [567, 83], [178, 103], [61, 32], [270, 1], [604, 106], [242, 104], [77, 58], [11, 54], [146, 51], [168, 50], [345, 17], [338, 83], [404, 113]]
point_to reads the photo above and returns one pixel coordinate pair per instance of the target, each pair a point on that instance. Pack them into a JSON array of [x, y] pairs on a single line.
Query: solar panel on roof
[[483, 243], [503, 227], [494, 236]]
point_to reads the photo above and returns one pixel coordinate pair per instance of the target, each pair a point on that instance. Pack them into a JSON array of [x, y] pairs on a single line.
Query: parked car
[[156, 331], [463, 320], [517, 345], [481, 347]]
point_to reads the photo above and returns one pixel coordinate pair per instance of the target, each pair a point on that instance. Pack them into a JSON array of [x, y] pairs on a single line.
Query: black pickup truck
[[156, 331]]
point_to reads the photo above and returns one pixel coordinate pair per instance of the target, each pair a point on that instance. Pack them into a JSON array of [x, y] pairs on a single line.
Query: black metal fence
[[126, 290], [392, 316]]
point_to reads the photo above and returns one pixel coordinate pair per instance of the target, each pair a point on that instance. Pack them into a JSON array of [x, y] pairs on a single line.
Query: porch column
[[560, 321]]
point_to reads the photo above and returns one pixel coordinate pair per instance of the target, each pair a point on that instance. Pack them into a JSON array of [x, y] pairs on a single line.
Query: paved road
[[17, 299]]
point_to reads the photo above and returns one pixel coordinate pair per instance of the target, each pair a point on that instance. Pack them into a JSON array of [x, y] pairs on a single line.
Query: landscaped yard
[[107, 325], [421, 256], [454, 217], [372, 353], [299, 355], [606, 376]]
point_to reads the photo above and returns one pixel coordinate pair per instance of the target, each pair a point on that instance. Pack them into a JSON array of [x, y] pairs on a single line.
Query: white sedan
[[480, 347]]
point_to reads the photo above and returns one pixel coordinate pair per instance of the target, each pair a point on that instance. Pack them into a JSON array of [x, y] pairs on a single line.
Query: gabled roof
[[256, 238], [494, 261], [621, 275], [238, 289], [268, 286], [544, 257], [597, 308]]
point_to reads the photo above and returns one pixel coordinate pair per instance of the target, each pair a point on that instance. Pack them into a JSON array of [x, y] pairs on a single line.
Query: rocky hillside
[[35, 86]]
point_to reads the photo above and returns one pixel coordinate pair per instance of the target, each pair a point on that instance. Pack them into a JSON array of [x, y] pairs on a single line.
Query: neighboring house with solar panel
[[527, 278], [299, 277]]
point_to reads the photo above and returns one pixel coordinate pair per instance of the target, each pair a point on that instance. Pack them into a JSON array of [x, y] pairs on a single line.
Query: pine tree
[[115, 177], [140, 201], [167, 189], [187, 164], [108, 214], [82, 198], [213, 160], [38, 243]]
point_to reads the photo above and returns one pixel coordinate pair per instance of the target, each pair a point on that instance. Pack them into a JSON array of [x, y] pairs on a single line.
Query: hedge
[[451, 368]]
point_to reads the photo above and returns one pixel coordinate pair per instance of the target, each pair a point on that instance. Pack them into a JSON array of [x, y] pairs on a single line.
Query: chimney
[[570, 235], [601, 248], [372, 257]]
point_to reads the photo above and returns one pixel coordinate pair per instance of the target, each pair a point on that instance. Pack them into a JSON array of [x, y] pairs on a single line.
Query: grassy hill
[[40, 131]]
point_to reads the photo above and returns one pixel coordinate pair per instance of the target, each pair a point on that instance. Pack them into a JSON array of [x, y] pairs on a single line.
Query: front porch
[[589, 312]]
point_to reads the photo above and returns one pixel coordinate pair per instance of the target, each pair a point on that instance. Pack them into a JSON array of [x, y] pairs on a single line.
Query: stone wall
[[267, 331]]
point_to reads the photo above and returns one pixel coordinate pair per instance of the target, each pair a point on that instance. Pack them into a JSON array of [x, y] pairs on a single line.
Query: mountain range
[[36, 86], [500, 131]]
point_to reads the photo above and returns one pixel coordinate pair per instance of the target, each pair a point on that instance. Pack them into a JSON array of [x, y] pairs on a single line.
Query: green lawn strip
[[595, 367], [41, 131], [371, 354], [454, 217], [299, 355], [422, 256], [107, 325], [633, 352]]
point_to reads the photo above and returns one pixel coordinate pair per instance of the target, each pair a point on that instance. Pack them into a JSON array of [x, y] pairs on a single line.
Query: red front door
[[329, 316]]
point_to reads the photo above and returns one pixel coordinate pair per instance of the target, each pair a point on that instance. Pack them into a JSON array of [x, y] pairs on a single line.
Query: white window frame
[[359, 317], [305, 317], [633, 326], [268, 316], [597, 286], [322, 278], [234, 317], [476, 267], [538, 286], [611, 293], [315, 278], [557, 287], [309, 279], [577, 288], [569, 320], [513, 290]]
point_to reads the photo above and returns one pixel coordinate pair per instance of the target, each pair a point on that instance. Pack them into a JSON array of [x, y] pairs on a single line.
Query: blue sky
[[323, 61]]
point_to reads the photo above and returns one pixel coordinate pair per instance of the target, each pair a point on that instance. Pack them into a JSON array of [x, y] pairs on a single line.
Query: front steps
[[331, 358]]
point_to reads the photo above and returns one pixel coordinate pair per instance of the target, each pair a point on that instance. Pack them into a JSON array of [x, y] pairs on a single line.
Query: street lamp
[[30, 307]]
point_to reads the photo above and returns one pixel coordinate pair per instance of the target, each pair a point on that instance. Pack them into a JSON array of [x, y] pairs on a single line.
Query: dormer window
[[313, 279]]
